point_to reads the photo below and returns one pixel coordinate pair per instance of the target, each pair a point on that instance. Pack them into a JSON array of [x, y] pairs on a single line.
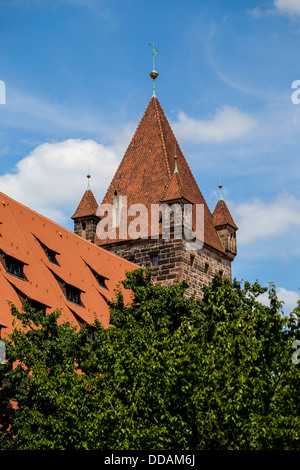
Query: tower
[[155, 173], [85, 218], [225, 227]]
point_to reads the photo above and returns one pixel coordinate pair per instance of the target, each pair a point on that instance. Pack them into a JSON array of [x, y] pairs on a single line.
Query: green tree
[[169, 373]]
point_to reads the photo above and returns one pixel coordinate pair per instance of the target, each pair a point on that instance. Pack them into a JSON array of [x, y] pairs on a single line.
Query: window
[[73, 294], [221, 273], [14, 266], [206, 268], [154, 260], [192, 260], [51, 254], [101, 280], [37, 306], [83, 225]]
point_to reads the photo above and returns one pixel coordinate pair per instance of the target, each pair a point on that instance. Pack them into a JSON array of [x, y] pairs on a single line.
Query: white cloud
[[53, 176], [291, 7], [229, 123], [258, 219], [290, 298]]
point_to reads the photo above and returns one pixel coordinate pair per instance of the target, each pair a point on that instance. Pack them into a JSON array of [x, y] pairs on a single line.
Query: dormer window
[[14, 266], [37, 306], [101, 280], [73, 294], [51, 254]]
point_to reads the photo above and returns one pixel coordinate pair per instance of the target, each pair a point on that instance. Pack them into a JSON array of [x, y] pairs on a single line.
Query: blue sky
[[77, 84]]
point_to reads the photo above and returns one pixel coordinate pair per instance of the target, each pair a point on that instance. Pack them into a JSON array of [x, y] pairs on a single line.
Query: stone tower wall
[[85, 227], [175, 262]]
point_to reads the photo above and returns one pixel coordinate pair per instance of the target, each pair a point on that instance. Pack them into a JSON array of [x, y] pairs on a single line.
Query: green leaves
[[167, 374]]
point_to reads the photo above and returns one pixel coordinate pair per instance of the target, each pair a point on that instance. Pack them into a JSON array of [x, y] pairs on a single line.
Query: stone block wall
[[171, 262], [86, 227]]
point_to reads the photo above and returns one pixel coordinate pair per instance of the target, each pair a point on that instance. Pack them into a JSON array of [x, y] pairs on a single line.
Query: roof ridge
[[161, 135], [128, 146], [35, 212]]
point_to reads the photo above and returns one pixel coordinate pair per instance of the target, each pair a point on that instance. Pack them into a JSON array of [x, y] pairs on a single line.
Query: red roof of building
[[176, 190], [146, 170], [87, 206], [222, 216], [53, 257]]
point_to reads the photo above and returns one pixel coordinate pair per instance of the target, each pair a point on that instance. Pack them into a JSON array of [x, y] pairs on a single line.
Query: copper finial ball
[[153, 74]]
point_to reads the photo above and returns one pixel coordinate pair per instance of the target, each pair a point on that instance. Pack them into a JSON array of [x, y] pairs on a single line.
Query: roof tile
[[222, 216], [87, 206]]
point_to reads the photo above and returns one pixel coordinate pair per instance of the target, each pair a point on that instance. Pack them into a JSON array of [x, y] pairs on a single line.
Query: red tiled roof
[[87, 206], [145, 172], [175, 190], [222, 216], [23, 235]]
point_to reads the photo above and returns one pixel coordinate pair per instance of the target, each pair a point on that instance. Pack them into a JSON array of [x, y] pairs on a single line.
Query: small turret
[[225, 227], [85, 218]]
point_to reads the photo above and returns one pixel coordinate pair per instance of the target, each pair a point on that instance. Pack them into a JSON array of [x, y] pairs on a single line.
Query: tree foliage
[[169, 373]]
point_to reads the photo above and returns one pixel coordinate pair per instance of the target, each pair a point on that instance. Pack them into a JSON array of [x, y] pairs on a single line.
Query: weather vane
[[154, 73]]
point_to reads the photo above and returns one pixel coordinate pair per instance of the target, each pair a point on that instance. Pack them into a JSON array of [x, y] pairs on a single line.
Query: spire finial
[[88, 177], [175, 156], [153, 74], [220, 196]]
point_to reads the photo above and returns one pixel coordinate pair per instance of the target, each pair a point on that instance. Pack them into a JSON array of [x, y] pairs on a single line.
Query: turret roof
[[87, 206], [222, 216]]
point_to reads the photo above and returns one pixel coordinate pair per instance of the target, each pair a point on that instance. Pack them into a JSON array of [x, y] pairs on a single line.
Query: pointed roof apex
[[222, 216], [220, 197], [87, 206], [88, 186], [175, 190]]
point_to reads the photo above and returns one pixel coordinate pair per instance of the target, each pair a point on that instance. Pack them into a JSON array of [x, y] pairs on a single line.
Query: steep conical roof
[[145, 172], [87, 206], [222, 216]]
